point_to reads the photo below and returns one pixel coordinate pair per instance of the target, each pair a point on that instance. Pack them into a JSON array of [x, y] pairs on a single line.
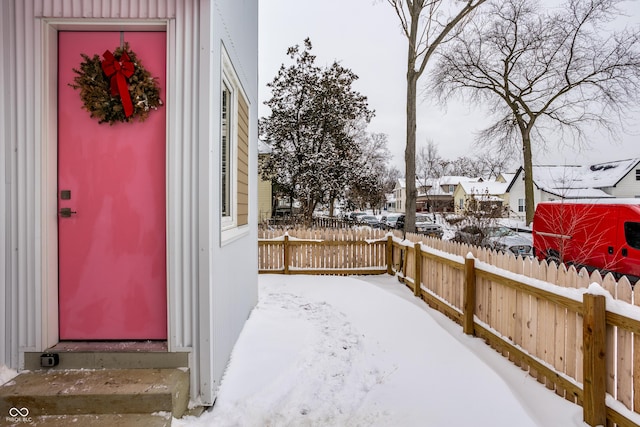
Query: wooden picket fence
[[323, 251], [580, 344]]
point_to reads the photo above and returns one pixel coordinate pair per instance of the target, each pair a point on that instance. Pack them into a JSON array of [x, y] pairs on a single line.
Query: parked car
[[424, 225], [370, 220], [355, 216], [389, 221], [505, 239], [598, 234], [496, 237], [469, 234]]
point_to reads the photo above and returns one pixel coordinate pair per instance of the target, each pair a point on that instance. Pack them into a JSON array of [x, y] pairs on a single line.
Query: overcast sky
[[365, 36]]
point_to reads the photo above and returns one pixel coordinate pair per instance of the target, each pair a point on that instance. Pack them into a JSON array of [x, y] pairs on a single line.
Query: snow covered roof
[[489, 188], [578, 193], [508, 177], [598, 175], [264, 148], [436, 184], [455, 180]]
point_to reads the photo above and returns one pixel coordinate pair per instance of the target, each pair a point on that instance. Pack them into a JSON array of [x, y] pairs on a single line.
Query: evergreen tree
[[315, 118]]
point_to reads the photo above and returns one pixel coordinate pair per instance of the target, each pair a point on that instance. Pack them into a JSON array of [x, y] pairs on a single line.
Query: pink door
[[112, 250]]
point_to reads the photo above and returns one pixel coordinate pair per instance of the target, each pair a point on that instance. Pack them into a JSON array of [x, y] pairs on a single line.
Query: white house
[[141, 231], [619, 179], [399, 196]]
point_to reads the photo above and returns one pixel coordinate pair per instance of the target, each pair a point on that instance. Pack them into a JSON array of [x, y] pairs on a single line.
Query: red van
[[599, 234]]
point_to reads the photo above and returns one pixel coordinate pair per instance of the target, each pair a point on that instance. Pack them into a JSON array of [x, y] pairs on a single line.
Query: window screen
[[225, 148]]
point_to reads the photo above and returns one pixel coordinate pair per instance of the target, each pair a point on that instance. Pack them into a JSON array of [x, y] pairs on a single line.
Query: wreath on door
[[116, 88]]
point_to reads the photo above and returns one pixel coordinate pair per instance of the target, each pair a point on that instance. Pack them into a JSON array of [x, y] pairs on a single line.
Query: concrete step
[[110, 360], [162, 419], [122, 392], [110, 355]]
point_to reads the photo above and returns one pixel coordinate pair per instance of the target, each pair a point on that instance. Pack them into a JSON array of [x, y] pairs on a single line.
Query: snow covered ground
[[339, 351], [6, 374]]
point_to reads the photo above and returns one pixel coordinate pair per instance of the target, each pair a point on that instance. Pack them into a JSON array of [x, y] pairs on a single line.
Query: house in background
[[265, 190], [399, 196], [436, 194], [390, 202], [142, 232], [490, 196], [620, 179], [506, 178], [433, 195]]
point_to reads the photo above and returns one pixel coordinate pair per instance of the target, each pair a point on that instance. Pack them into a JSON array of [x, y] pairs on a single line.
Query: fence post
[[286, 254], [469, 297], [417, 256], [389, 255], [404, 254], [595, 359]]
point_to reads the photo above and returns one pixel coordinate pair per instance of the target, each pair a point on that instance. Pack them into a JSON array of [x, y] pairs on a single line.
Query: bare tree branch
[[426, 24], [543, 71]]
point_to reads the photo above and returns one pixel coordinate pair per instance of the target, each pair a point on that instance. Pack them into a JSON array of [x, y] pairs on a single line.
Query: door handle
[[66, 212], [624, 252]]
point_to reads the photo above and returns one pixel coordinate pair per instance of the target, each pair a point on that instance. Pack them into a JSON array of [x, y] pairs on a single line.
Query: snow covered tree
[[426, 24], [314, 120], [370, 172], [543, 72]]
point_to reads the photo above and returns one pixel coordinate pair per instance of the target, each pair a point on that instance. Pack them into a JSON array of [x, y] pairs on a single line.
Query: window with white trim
[[234, 153], [521, 205]]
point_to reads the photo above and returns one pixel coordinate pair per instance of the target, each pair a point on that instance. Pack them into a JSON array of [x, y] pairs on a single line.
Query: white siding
[[8, 286], [136, 9], [23, 204], [202, 285], [234, 24], [517, 192], [628, 186]]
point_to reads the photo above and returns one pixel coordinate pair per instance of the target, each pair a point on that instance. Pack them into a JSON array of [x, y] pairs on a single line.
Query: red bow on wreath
[[119, 71]]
